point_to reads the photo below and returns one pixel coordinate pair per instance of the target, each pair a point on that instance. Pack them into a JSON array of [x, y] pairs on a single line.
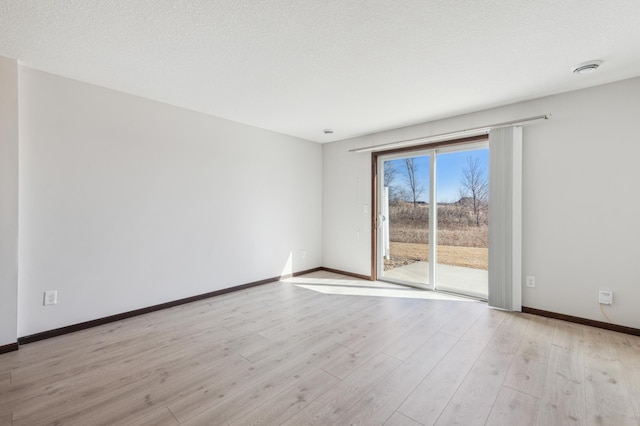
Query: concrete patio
[[455, 279]]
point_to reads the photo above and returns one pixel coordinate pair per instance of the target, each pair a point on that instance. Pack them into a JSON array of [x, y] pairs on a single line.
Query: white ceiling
[[300, 66]]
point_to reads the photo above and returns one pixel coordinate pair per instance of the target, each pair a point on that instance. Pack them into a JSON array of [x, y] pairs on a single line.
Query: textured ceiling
[[300, 66]]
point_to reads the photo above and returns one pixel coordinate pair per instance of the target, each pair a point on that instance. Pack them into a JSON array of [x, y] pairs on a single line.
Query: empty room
[[319, 212]]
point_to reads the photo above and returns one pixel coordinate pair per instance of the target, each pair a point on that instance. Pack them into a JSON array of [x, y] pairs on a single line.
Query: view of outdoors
[[462, 206]]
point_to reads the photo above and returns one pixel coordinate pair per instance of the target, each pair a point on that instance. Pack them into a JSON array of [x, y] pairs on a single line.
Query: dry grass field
[[460, 241], [469, 257]]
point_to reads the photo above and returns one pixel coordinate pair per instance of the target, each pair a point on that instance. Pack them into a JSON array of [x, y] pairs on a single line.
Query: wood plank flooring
[[324, 349]]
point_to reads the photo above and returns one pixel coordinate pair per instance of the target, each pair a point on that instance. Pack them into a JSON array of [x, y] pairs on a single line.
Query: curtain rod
[[449, 135]]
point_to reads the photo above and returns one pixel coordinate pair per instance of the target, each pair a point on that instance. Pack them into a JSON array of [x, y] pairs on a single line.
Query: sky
[[449, 172]]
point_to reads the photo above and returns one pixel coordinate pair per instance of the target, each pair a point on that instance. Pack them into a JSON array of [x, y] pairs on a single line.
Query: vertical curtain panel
[[505, 218]]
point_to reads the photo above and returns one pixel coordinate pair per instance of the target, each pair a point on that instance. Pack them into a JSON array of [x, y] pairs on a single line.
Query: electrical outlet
[[50, 297], [303, 254], [531, 281], [605, 297]]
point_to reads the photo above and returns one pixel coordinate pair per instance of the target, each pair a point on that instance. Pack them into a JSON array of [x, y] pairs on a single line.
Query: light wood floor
[[324, 349]]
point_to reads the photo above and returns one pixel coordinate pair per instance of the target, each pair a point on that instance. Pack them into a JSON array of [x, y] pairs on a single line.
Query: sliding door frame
[[374, 184]]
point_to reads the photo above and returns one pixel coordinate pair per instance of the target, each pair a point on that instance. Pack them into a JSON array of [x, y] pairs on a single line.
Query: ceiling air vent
[[587, 67]]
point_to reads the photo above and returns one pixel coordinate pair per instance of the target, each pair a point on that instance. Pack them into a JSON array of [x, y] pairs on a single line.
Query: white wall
[[581, 213], [8, 200], [126, 203]]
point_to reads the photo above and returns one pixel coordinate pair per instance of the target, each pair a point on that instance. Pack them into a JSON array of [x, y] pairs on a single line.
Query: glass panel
[[405, 229], [462, 191]]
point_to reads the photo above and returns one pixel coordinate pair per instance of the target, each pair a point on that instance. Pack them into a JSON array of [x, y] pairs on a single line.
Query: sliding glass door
[[404, 219], [433, 219], [463, 222]]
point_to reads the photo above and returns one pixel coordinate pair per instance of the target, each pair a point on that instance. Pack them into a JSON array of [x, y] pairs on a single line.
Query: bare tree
[[474, 188], [390, 173], [415, 188]]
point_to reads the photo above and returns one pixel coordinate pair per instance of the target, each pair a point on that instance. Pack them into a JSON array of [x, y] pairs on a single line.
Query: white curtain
[[505, 218]]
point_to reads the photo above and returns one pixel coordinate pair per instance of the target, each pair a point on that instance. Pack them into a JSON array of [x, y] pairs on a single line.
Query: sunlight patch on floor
[[351, 287]]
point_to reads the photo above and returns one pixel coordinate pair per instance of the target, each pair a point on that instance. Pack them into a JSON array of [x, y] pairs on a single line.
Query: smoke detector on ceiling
[[587, 67]]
